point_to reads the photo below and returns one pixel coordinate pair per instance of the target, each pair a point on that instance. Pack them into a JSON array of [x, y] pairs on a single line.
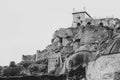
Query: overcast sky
[[28, 25]]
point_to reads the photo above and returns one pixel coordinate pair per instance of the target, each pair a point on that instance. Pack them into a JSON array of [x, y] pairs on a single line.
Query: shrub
[[25, 64], [12, 71]]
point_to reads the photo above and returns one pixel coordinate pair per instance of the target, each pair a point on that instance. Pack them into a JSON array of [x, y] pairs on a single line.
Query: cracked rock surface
[[104, 68]]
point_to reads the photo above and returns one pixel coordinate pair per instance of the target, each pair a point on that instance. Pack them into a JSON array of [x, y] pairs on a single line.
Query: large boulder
[[66, 41], [78, 59], [67, 51], [62, 32], [104, 68]]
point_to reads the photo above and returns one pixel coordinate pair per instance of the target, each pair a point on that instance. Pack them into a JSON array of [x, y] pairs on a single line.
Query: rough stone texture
[[65, 42], [56, 46], [63, 33], [67, 50], [42, 55], [79, 34], [76, 45], [104, 68], [54, 60], [29, 57]]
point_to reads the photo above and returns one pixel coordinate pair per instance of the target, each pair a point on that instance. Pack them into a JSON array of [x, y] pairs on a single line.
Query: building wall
[[38, 55], [106, 21], [85, 18], [54, 61], [78, 17], [41, 55], [28, 57]]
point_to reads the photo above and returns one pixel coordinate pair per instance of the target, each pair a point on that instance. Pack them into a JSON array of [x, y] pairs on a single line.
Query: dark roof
[[82, 12]]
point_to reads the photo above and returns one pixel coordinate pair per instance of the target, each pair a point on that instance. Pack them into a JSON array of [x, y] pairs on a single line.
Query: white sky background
[[28, 25]]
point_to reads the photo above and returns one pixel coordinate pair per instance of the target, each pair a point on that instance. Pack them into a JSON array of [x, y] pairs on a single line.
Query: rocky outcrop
[[104, 68], [63, 33]]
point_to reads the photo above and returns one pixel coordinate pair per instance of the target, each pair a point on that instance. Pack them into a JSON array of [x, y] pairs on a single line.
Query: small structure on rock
[[80, 17]]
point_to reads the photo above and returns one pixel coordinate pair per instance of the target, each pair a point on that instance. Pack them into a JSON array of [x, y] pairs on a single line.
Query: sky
[[28, 25]]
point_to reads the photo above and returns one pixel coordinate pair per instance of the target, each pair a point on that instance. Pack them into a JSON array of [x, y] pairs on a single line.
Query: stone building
[[80, 17], [54, 61], [38, 55]]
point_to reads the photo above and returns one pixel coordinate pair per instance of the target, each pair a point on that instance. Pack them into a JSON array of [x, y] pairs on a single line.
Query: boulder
[[79, 35], [76, 45], [57, 39], [62, 32], [67, 50], [66, 41], [104, 68]]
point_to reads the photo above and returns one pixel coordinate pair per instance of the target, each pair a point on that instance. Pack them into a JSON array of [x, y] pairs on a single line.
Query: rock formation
[[104, 68], [97, 38]]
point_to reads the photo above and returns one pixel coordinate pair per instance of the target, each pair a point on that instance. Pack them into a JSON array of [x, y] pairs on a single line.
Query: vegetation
[[12, 70]]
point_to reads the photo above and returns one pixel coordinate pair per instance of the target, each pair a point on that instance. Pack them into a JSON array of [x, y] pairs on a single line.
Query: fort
[[85, 34]]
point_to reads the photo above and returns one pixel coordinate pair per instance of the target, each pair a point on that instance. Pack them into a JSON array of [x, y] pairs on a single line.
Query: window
[[78, 17], [101, 24], [88, 23], [56, 61], [77, 40], [78, 24]]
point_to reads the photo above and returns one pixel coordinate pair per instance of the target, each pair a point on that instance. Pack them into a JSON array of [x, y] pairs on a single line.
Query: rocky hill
[[96, 39]]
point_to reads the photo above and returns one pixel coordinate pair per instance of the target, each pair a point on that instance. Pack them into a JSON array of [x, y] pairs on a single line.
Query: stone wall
[[29, 57]]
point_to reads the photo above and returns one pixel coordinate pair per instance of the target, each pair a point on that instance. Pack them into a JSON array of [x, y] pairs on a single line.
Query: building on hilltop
[[80, 17]]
